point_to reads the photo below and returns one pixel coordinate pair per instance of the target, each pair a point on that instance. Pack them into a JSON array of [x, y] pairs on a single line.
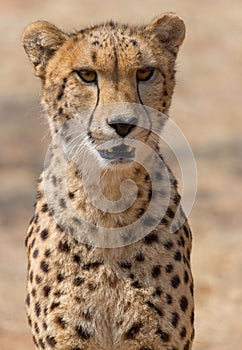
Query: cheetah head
[[100, 83]]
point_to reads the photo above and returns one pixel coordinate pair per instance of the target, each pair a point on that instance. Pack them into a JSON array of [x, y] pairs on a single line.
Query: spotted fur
[[139, 296]]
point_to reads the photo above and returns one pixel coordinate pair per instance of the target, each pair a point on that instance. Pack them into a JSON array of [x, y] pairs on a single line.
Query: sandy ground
[[207, 107]]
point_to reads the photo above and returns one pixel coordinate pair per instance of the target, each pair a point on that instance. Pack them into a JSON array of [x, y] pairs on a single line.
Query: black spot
[[92, 265], [41, 343], [133, 42], [29, 321], [28, 236], [151, 238], [61, 322], [177, 255], [78, 281], [44, 234], [140, 257], [136, 284], [187, 345], [157, 292], [47, 253], [168, 245], [140, 212], [94, 57], [156, 270], [125, 264], [37, 309], [170, 213], [145, 348], [35, 253], [33, 292], [59, 228], [62, 203], [54, 306], [35, 341], [36, 218], [31, 276], [192, 317], [165, 93], [174, 319], [44, 208], [186, 231], [71, 195], [63, 247], [91, 287], [168, 299], [38, 279], [183, 332], [169, 268], [186, 277], [133, 330], [59, 277], [51, 341], [183, 303], [165, 337], [175, 281], [156, 308], [57, 293], [45, 325], [164, 221], [181, 242], [150, 194], [83, 333], [44, 266], [32, 243], [77, 259], [27, 300], [36, 328], [191, 288], [46, 290], [193, 334]]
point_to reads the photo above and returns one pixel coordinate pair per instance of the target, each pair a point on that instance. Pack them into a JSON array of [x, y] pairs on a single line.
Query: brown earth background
[[207, 106]]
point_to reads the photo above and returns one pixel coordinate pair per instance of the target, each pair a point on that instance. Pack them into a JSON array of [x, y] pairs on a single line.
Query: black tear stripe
[[92, 114], [62, 89], [141, 102]]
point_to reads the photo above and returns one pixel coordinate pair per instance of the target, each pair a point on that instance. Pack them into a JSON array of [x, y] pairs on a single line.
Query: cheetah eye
[[87, 75], [144, 74]]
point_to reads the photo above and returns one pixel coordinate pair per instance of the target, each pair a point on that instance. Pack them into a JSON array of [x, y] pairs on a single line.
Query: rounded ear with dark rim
[[40, 41], [169, 29]]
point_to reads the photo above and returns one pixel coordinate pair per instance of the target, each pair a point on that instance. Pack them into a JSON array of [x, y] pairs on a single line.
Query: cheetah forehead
[[138, 45], [107, 46]]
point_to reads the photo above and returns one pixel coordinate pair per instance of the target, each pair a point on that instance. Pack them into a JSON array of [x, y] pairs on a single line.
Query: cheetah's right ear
[[40, 41], [169, 29]]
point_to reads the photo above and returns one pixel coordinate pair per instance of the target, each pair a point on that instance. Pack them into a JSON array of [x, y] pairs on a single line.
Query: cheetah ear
[[40, 41], [169, 29]]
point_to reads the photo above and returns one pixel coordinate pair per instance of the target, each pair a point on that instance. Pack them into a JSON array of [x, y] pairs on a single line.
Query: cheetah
[[96, 279]]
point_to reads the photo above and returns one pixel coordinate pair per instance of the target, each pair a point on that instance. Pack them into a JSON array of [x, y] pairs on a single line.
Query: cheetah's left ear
[[170, 30]]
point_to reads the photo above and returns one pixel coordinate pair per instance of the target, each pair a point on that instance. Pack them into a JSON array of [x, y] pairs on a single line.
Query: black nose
[[122, 125]]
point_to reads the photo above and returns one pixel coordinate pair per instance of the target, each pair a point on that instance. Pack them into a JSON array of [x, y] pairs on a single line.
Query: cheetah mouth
[[118, 152]]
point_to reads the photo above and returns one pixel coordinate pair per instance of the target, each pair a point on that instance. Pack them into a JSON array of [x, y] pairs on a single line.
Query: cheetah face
[[100, 84]]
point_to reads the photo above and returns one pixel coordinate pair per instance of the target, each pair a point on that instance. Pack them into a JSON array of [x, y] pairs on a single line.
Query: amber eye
[[144, 74], [87, 75]]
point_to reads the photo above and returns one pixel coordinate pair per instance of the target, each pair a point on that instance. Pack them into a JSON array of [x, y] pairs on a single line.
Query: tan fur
[[137, 296]]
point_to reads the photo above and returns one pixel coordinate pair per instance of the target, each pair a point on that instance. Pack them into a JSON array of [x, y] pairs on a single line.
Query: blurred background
[[207, 106]]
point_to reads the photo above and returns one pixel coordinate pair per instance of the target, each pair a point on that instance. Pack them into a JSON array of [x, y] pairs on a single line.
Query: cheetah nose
[[122, 125]]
